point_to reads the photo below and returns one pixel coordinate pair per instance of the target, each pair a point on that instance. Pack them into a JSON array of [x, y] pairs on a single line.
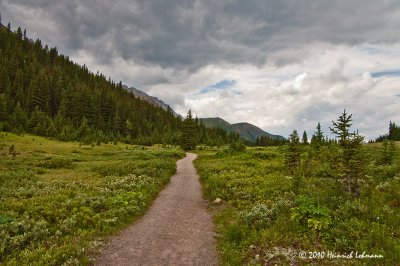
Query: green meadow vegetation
[[274, 206], [60, 200]]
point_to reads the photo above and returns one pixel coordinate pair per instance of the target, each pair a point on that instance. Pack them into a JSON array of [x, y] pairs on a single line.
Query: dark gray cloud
[[185, 34]]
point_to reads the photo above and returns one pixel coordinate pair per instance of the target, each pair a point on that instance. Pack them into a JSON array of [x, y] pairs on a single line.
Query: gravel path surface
[[176, 230]]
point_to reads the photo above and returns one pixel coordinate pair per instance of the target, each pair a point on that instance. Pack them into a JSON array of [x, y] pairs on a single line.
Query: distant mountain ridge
[[151, 99], [246, 131]]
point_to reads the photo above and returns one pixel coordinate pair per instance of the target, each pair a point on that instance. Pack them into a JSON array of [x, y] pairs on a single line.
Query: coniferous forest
[[44, 93]]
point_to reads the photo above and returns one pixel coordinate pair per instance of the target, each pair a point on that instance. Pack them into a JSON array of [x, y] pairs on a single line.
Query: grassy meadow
[[268, 217], [60, 200]]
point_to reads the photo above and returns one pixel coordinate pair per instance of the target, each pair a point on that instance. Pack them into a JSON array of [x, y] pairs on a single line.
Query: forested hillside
[[45, 93]]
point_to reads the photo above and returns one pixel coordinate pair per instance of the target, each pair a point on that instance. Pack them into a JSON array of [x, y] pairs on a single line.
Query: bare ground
[[177, 229]]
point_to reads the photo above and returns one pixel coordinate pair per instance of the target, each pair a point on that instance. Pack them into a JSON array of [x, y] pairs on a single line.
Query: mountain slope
[[151, 99], [247, 131], [251, 132], [218, 122]]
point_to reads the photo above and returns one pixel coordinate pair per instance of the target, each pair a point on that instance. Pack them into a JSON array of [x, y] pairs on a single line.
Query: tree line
[[264, 141]]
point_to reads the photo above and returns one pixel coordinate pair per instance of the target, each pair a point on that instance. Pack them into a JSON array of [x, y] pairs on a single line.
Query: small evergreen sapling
[[12, 150], [351, 163], [293, 152], [388, 152]]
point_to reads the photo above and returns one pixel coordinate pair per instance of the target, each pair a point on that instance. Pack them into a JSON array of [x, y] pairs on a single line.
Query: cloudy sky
[[277, 64]]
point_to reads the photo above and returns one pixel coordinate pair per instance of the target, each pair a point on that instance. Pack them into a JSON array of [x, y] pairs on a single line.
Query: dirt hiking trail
[[176, 230]]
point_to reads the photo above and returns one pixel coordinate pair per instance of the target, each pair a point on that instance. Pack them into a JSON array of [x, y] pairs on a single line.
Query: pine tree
[[83, 130], [318, 139], [189, 133], [341, 128], [19, 118], [319, 135], [5, 82], [117, 123], [293, 152], [388, 152], [67, 105], [351, 164], [19, 33], [3, 108], [39, 122], [305, 138]]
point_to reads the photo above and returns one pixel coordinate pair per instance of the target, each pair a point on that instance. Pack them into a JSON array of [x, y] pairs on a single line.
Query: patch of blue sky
[[386, 73], [371, 49], [221, 85]]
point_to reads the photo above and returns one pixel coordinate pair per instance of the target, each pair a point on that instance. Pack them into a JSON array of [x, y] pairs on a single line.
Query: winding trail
[[176, 230]]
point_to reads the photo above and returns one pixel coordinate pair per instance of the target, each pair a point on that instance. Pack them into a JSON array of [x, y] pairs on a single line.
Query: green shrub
[[56, 163], [237, 146], [267, 155], [311, 215], [260, 216], [12, 150]]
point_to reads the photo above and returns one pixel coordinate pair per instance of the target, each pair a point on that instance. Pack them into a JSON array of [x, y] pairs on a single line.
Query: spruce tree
[[19, 118], [116, 123], [19, 33], [3, 108], [318, 139], [351, 164], [293, 153], [5, 82], [305, 138], [388, 152], [189, 132]]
